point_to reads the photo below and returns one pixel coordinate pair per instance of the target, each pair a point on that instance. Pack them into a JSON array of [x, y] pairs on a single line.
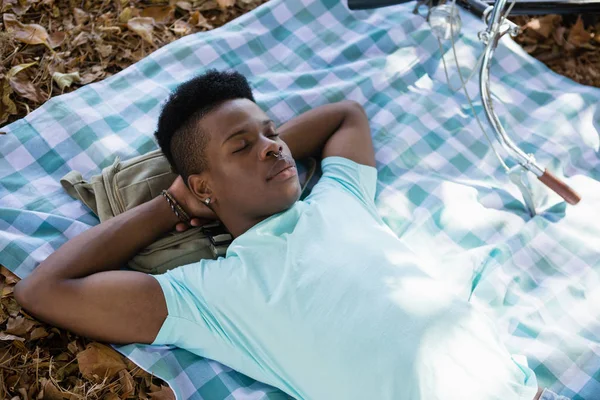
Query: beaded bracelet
[[177, 209]]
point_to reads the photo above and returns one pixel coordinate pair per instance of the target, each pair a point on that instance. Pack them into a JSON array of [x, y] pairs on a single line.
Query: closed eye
[[273, 135], [243, 148]]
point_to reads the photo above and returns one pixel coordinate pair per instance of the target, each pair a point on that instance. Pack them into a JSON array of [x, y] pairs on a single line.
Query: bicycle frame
[[490, 37], [496, 28]]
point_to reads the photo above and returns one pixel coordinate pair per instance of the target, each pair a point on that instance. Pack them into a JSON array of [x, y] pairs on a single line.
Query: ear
[[200, 186]]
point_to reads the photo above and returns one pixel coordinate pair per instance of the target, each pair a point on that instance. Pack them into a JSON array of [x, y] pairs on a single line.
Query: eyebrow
[[243, 130]]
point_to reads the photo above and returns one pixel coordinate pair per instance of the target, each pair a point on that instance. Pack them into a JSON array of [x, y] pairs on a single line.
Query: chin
[[289, 196], [295, 191]]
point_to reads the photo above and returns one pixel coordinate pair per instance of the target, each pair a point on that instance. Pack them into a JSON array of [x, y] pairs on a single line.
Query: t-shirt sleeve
[[358, 180], [208, 313], [200, 301], [187, 307]]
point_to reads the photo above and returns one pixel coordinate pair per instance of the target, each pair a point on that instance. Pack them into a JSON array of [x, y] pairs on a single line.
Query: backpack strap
[[310, 171], [79, 189]]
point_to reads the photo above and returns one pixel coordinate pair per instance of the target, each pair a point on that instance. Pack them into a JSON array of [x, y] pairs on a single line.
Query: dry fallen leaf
[[7, 106], [24, 88], [142, 26], [56, 39], [181, 27], [26, 33], [15, 70], [12, 307], [9, 277], [38, 333], [114, 30], [160, 14], [22, 85], [81, 17], [65, 80], [19, 326], [126, 14], [559, 35], [205, 5], [225, 3], [543, 26], [6, 336], [7, 290], [89, 77], [81, 38], [105, 50], [15, 6], [165, 393], [197, 19], [579, 36], [50, 391], [184, 5], [127, 383], [99, 361], [74, 347]]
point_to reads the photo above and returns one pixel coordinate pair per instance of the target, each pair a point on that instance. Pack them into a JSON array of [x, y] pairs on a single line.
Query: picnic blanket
[[440, 187]]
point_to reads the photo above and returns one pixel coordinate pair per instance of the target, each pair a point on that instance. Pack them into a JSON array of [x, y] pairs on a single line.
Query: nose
[[271, 148]]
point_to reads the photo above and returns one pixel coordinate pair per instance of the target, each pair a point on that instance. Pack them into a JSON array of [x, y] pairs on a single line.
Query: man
[[317, 297]]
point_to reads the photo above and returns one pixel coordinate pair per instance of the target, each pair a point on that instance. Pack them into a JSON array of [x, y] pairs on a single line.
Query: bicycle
[[447, 22]]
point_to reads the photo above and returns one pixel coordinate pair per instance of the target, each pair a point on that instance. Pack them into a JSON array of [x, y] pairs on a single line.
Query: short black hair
[[178, 133]]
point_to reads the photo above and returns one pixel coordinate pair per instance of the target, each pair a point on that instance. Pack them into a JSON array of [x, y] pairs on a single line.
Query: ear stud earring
[[207, 201]]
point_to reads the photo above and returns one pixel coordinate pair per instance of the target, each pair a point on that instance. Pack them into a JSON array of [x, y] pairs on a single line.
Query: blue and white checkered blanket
[[440, 187]]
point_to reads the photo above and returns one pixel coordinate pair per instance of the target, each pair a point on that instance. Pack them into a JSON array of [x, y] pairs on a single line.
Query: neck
[[237, 224]]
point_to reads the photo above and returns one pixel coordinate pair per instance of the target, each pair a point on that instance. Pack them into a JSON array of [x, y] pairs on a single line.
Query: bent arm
[[77, 287], [338, 129]]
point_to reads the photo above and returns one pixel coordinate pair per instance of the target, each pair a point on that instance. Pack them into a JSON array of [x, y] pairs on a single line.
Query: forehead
[[232, 115]]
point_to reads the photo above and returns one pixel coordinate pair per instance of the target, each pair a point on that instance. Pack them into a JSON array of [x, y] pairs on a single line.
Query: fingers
[[194, 222]]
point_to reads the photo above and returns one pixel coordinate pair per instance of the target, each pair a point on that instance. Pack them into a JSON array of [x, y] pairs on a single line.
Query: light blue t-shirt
[[324, 302]]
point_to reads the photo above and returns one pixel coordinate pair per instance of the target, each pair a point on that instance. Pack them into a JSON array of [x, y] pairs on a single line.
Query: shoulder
[[343, 173]]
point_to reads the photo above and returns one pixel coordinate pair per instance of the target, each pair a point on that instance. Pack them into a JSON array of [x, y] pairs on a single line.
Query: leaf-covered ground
[[49, 47], [569, 45], [38, 361]]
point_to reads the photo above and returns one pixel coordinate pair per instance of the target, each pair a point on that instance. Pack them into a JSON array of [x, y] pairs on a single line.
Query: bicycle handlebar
[[522, 7], [476, 7], [560, 188], [364, 4]]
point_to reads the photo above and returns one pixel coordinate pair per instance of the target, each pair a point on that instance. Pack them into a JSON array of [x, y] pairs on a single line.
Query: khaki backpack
[[126, 184]]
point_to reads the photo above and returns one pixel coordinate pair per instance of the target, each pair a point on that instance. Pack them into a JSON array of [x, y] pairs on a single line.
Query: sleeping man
[[318, 297]]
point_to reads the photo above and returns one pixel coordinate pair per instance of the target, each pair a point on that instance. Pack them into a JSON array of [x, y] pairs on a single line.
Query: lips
[[278, 167]]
